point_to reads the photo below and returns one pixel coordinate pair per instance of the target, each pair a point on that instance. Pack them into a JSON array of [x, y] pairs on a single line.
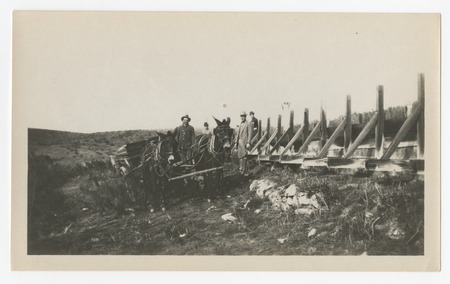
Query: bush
[[45, 198]]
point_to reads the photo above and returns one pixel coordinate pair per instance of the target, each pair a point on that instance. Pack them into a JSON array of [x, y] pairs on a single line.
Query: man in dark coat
[[185, 138], [254, 122]]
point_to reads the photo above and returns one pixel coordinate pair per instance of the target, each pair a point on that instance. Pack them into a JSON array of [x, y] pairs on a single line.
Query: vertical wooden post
[[279, 131], [259, 132], [379, 129], [291, 126], [421, 119], [306, 123], [279, 126], [323, 127], [268, 129], [348, 125]]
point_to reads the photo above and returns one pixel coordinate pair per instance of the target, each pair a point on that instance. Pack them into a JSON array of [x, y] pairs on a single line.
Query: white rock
[[228, 217], [269, 192], [275, 197], [254, 185], [284, 206], [291, 190], [291, 201], [312, 233], [257, 211], [304, 211], [282, 240], [314, 202], [303, 200], [261, 187]]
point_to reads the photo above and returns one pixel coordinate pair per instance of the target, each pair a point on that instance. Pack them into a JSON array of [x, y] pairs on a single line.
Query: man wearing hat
[[243, 140], [185, 138], [206, 130]]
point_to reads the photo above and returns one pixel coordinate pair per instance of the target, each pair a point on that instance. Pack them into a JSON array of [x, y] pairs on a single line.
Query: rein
[[157, 159]]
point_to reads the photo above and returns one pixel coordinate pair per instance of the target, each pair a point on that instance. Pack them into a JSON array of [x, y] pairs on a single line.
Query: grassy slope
[[95, 220]]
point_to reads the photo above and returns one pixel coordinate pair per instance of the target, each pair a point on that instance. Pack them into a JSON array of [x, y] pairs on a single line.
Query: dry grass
[[81, 208]]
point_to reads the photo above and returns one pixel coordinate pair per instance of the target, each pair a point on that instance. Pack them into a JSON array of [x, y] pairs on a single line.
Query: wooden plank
[[348, 126], [379, 130], [277, 145], [292, 141], [296, 161], [195, 173], [259, 143], [409, 122], [313, 162], [274, 134], [390, 165], [369, 126], [323, 153], [340, 163], [252, 156], [421, 119], [255, 138], [308, 140], [266, 158], [268, 127]]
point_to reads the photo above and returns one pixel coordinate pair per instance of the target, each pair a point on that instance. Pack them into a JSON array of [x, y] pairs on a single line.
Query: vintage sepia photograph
[[227, 134]]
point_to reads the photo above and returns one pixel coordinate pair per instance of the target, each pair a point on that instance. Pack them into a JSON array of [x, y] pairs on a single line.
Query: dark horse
[[157, 158], [213, 151]]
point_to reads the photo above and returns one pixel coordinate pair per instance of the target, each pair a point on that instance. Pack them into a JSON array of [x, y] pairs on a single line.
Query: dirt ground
[[361, 213]]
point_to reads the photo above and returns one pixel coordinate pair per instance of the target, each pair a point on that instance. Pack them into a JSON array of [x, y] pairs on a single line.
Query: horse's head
[[224, 134], [166, 147]]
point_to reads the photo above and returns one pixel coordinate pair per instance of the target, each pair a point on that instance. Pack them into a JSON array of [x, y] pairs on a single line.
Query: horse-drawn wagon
[[156, 162]]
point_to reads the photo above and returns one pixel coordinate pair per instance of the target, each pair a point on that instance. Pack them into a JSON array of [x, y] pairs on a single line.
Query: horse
[[213, 151], [157, 159]]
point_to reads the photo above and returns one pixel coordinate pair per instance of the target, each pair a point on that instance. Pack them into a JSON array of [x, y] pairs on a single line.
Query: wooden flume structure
[[266, 144]]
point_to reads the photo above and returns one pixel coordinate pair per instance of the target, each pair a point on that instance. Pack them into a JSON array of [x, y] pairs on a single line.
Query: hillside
[[77, 205]]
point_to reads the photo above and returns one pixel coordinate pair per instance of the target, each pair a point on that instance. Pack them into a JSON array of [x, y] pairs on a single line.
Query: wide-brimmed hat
[[243, 113], [185, 116]]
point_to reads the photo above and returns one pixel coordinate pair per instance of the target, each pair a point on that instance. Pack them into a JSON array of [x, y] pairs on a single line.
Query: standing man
[[254, 122], [243, 140], [185, 138], [206, 130]]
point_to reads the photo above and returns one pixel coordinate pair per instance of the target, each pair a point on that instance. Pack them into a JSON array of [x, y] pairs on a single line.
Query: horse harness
[[156, 159]]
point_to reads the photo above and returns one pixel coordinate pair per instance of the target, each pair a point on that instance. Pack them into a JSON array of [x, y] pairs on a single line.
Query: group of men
[[185, 138]]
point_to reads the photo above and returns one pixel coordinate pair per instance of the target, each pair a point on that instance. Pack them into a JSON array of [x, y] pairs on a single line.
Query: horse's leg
[[207, 186], [163, 193], [154, 192], [212, 192], [220, 181], [146, 184]]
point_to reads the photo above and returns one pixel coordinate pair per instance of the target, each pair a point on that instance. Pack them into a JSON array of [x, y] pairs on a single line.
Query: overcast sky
[[90, 72]]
